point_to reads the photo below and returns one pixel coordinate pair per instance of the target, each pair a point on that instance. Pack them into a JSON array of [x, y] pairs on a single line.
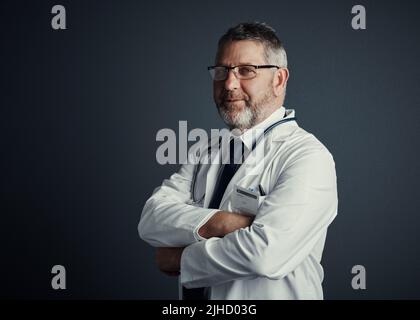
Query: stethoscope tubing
[[266, 131]]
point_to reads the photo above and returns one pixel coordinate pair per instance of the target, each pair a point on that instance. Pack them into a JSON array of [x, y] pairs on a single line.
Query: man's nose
[[231, 82]]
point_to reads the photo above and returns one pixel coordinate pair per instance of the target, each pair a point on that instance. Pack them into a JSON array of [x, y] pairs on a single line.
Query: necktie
[[227, 174]]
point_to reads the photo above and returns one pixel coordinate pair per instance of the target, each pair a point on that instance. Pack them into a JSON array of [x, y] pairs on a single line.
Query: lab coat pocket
[[245, 200]]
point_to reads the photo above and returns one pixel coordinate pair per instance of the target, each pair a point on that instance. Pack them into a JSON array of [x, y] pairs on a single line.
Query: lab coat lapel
[[212, 172]]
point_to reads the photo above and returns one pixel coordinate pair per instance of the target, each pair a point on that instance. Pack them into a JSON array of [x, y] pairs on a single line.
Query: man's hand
[[169, 260], [224, 222]]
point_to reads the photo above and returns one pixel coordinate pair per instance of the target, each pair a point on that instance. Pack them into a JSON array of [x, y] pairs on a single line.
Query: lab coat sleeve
[[290, 221], [168, 219]]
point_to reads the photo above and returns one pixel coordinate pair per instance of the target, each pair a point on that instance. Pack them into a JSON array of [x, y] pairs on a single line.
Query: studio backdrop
[[86, 87]]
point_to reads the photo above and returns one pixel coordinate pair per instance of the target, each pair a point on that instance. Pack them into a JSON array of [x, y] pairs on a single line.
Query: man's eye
[[220, 71], [244, 71]]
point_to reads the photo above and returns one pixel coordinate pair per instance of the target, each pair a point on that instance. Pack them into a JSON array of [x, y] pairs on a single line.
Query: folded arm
[[292, 219], [168, 259], [170, 220]]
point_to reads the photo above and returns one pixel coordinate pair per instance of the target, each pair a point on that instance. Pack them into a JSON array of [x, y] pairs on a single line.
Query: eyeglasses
[[243, 72]]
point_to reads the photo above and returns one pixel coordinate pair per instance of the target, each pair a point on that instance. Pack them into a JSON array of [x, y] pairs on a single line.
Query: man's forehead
[[241, 52]]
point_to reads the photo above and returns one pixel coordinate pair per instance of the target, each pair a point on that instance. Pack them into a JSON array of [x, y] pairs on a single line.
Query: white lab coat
[[278, 256]]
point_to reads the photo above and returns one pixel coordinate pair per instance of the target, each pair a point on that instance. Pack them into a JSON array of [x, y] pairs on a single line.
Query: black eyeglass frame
[[227, 68]]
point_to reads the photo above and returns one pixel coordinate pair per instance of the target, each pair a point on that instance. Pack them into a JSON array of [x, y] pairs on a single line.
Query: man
[[272, 251]]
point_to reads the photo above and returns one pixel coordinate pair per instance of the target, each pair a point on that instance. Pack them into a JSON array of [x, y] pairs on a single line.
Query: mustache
[[229, 95]]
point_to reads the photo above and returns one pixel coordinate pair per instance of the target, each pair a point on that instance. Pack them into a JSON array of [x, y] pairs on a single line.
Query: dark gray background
[[80, 110]]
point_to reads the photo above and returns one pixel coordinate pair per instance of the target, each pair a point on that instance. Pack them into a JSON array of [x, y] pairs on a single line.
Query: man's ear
[[280, 80]]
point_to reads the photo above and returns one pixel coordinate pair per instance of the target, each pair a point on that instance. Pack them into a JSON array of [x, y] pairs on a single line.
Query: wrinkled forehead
[[241, 52]]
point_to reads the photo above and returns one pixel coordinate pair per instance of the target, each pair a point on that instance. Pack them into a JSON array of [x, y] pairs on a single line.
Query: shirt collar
[[250, 135]]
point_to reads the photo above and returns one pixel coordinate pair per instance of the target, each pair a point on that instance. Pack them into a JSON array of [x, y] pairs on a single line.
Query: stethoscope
[[198, 166]]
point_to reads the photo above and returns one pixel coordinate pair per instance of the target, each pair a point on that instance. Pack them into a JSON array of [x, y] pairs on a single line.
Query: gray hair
[[261, 32]]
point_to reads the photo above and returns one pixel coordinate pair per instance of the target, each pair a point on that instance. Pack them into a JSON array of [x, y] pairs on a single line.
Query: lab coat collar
[[249, 136]]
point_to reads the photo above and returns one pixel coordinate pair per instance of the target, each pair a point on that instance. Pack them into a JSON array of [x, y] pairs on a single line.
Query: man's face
[[242, 103]]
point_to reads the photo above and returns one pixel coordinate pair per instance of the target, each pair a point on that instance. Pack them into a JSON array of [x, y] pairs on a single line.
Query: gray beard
[[252, 114], [244, 119]]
